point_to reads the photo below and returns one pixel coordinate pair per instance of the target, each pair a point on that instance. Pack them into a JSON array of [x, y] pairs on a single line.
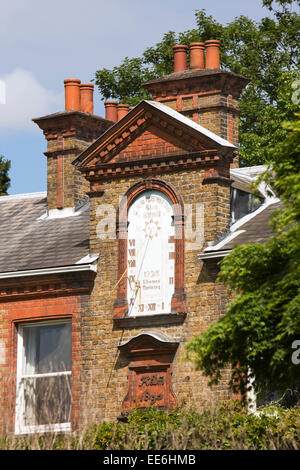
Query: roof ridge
[[13, 197]]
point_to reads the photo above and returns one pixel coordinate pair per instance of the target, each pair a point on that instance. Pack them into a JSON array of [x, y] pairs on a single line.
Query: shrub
[[228, 426]]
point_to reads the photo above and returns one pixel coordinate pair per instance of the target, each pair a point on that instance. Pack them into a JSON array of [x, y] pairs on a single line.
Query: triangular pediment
[[150, 145], [150, 130]]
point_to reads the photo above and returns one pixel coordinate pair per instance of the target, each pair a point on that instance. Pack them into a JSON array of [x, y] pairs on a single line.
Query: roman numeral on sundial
[[151, 307]]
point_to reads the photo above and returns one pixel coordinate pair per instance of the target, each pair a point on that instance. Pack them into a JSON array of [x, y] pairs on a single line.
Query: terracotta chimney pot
[[197, 55], [111, 111], [123, 109], [86, 98], [180, 54], [212, 58], [72, 94]]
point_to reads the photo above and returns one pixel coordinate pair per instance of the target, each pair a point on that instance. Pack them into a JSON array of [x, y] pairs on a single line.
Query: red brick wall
[[15, 312], [147, 145]]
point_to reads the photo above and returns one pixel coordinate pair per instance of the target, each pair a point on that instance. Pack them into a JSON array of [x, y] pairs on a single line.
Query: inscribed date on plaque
[[149, 380]]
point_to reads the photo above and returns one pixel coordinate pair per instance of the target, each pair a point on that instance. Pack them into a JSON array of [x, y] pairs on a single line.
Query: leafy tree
[[267, 52], [262, 321], [283, 4], [4, 178]]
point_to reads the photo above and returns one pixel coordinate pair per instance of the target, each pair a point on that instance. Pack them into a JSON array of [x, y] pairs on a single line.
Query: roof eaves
[[47, 271], [211, 255]]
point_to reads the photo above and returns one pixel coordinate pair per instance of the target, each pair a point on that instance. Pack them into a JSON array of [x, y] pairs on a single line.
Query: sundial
[[150, 254]]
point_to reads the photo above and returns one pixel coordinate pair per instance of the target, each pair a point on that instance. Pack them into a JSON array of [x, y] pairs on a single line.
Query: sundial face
[[150, 254]]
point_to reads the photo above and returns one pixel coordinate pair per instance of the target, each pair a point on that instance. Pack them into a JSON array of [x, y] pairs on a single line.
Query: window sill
[[43, 428], [150, 320]]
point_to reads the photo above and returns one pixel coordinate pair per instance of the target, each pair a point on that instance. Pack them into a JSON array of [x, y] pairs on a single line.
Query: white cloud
[[26, 98]]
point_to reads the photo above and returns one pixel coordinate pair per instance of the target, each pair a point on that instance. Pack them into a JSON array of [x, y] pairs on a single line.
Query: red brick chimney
[[212, 58], [68, 133], [123, 109], [86, 98], [180, 58], [72, 94], [111, 111], [208, 96], [197, 55]]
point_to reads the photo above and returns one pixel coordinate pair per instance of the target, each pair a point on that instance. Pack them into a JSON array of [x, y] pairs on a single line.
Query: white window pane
[[47, 348], [29, 361], [47, 400], [44, 376]]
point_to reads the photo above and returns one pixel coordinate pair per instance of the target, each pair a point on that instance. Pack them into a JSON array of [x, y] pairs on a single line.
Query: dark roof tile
[[28, 242]]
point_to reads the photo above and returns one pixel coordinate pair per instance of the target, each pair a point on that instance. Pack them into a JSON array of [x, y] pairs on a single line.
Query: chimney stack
[[197, 55], [72, 94], [212, 59], [180, 58], [123, 109], [205, 93], [111, 112], [86, 98], [68, 134]]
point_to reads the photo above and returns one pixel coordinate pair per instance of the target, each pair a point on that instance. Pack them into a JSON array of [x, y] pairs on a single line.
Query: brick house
[[106, 276]]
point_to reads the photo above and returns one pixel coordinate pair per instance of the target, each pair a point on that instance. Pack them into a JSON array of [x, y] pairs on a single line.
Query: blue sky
[[42, 43]]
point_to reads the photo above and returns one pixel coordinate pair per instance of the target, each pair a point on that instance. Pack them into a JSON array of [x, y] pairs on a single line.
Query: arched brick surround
[[178, 304]]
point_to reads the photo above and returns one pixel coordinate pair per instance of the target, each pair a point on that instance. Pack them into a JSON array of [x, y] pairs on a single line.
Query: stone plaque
[[149, 372]]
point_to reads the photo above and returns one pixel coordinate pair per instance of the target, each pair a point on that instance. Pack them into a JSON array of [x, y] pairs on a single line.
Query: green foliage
[[262, 321], [229, 426], [267, 52], [4, 178], [283, 4]]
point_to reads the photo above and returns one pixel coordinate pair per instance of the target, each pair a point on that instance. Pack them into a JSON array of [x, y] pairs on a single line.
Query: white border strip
[[188, 122], [45, 271], [63, 213], [224, 241], [218, 254]]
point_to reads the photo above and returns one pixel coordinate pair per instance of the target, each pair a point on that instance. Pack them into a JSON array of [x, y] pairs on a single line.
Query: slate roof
[[28, 242], [255, 229]]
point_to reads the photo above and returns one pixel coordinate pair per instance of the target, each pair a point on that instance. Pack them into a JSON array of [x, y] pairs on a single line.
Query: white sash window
[[44, 377]]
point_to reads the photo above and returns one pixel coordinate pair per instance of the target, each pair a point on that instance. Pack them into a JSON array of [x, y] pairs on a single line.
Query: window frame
[[20, 427]]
